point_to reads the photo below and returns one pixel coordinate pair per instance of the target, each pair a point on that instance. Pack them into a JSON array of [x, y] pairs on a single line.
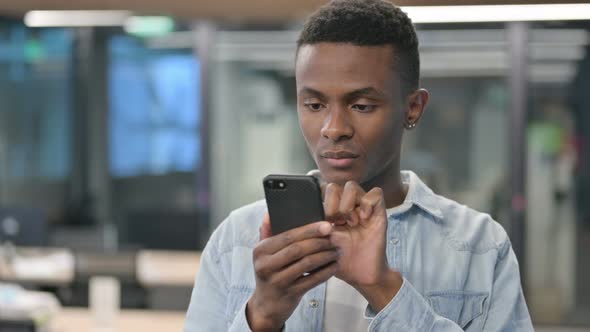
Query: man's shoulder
[[242, 216], [468, 229], [240, 228]]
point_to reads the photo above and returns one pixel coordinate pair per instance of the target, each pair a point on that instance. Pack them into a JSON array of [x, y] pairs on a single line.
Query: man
[[393, 256]]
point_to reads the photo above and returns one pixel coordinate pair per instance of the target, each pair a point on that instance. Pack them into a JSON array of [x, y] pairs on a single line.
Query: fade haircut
[[368, 23]]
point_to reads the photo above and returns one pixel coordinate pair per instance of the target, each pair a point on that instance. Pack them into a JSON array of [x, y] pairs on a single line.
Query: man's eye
[[363, 108], [314, 106]]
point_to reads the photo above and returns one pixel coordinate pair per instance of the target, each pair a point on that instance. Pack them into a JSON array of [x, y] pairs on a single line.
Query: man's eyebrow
[[310, 91], [364, 92]]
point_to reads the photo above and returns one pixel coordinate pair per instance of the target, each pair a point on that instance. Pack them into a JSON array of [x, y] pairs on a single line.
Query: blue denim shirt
[[460, 272]]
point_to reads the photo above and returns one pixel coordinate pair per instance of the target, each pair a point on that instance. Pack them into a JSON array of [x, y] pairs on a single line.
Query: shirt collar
[[420, 195]]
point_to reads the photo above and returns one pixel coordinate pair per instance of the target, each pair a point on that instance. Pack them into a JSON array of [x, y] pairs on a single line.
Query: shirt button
[[314, 303], [394, 241]]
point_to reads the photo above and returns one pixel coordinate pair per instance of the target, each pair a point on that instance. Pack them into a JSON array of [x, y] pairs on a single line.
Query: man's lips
[[339, 159], [342, 154]]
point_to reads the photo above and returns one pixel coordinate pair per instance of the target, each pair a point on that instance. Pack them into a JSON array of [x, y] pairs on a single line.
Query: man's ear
[[415, 107]]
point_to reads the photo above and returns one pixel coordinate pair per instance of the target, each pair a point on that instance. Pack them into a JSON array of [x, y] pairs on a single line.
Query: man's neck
[[394, 189]]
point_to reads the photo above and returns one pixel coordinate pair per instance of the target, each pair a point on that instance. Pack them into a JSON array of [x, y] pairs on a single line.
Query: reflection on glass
[[154, 110], [35, 77]]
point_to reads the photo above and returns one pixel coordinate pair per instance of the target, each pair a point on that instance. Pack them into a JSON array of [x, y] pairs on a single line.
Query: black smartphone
[[292, 201]]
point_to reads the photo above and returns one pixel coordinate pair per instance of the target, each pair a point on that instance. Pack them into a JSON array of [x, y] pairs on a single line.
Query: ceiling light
[[76, 18], [497, 13]]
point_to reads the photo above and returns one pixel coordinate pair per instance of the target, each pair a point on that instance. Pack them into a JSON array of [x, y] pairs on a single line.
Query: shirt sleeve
[[207, 308], [507, 310]]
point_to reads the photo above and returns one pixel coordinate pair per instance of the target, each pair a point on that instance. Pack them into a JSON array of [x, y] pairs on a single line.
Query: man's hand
[[360, 230], [287, 266]]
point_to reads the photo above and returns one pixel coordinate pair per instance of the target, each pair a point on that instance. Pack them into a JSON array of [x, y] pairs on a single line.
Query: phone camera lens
[[269, 184], [282, 185]]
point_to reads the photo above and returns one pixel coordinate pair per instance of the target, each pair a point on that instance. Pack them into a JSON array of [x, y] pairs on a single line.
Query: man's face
[[350, 109]]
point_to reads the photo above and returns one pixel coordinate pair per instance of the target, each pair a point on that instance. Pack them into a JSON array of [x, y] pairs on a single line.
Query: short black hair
[[368, 23]]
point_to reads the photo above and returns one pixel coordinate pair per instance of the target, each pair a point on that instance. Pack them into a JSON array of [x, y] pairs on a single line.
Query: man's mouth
[[339, 159]]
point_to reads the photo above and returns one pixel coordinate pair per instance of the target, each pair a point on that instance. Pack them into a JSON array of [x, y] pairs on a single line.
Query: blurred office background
[[129, 133]]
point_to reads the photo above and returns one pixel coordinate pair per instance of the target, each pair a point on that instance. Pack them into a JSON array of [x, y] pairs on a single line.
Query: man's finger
[[275, 243], [308, 263], [323, 186], [350, 200], [303, 284], [351, 197], [299, 250], [332, 201], [371, 203], [265, 228]]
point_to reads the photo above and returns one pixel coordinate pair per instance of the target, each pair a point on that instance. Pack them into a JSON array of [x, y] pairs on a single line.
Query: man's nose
[[337, 126]]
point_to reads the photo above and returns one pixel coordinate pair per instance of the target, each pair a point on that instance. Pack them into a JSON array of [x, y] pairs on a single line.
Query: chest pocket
[[461, 307]]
